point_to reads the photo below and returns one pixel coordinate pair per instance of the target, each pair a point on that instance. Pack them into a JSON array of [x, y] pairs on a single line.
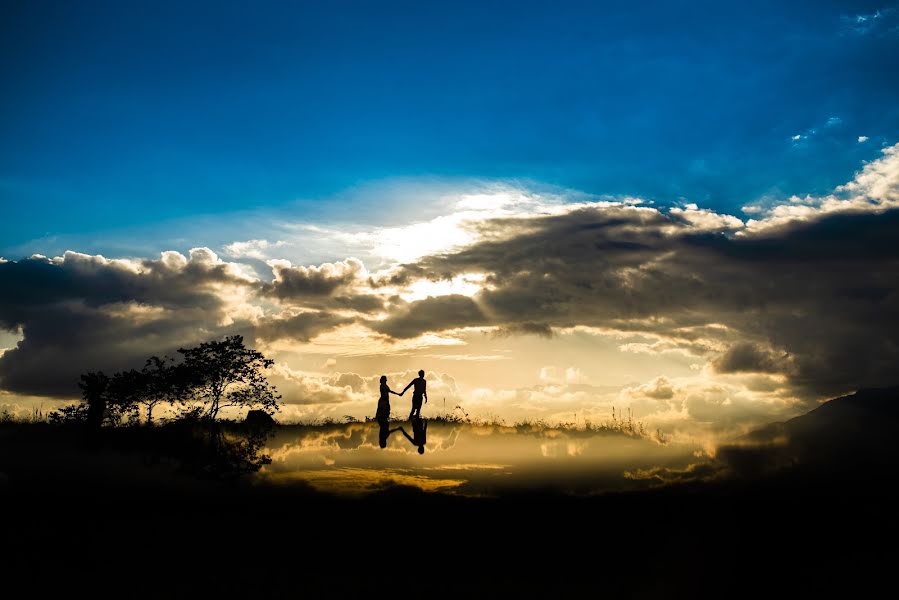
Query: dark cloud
[[80, 312], [749, 358], [173, 281], [62, 342], [292, 282], [434, 313], [825, 293], [301, 327]]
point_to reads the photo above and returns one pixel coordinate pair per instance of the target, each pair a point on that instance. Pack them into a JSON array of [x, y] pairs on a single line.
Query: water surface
[[468, 459]]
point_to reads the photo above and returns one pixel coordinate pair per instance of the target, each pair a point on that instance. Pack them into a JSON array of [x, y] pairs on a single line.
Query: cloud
[[431, 314], [862, 139], [706, 220], [302, 326], [78, 312], [879, 22], [747, 357], [657, 389], [552, 374], [830, 128], [297, 282], [252, 248], [819, 286], [664, 475]]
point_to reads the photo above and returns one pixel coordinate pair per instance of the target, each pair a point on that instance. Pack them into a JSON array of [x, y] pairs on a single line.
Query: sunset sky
[[688, 212]]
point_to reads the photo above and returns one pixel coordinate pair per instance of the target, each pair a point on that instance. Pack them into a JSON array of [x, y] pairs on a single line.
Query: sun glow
[[465, 285]]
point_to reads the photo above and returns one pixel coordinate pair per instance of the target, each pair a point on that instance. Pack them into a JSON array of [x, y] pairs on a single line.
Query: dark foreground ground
[[721, 541], [808, 529]]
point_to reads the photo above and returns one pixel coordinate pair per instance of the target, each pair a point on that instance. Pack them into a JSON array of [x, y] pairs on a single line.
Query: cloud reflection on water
[[468, 459]]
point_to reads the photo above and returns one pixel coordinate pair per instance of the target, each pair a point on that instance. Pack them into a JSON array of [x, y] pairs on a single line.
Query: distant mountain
[[854, 434]]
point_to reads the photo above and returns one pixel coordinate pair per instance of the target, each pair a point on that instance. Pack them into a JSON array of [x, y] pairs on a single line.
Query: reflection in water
[[384, 432], [356, 481], [419, 435], [469, 459]]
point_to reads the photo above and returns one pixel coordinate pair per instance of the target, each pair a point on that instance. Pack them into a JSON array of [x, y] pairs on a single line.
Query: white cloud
[[707, 220], [252, 248], [553, 374], [862, 139], [873, 189]]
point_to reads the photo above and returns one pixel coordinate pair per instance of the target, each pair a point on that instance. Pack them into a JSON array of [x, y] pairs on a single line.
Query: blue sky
[[118, 116]]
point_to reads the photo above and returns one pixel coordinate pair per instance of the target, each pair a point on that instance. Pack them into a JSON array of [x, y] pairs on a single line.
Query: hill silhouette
[[851, 436]]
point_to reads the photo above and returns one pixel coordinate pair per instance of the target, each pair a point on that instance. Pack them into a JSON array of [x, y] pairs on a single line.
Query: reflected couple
[[419, 425]]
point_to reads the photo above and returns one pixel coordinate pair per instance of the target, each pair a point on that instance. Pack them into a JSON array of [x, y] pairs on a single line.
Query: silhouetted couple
[[419, 429]]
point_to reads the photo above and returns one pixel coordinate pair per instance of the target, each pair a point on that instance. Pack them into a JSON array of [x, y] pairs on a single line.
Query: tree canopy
[[208, 378], [227, 373]]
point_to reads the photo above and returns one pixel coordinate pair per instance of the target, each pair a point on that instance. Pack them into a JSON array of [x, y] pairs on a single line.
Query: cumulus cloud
[[78, 312], [297, 282], [874, 189], [746, 357], [820, 287], [434, 313], [302, 326], [658, 389]]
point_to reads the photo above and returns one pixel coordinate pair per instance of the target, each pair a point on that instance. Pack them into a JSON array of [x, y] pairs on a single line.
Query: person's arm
[[407, 387], [408, 437], [424, 391], [394, 393]]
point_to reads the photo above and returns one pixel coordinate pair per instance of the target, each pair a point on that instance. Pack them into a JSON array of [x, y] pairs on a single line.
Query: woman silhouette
[[382, 416]]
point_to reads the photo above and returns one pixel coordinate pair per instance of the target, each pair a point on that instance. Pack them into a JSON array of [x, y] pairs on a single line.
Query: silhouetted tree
[[94, 387], [123, 393], [227, 373], [162, 381]]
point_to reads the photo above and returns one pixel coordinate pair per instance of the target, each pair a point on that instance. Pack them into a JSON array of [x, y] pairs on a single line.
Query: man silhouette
[[419, 434], [419, 390]]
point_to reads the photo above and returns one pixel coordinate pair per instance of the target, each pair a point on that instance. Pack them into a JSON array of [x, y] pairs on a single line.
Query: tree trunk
[[96, 409]]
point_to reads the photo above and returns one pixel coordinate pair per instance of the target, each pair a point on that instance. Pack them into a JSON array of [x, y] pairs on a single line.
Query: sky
[[686, 210]]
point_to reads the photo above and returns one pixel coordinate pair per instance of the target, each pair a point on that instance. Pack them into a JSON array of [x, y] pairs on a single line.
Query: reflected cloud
[[356, 481], [478, 460]]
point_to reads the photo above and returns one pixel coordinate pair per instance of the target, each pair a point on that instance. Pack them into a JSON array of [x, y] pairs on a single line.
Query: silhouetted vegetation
[[616, 425], [216, 375], [208, 378]]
